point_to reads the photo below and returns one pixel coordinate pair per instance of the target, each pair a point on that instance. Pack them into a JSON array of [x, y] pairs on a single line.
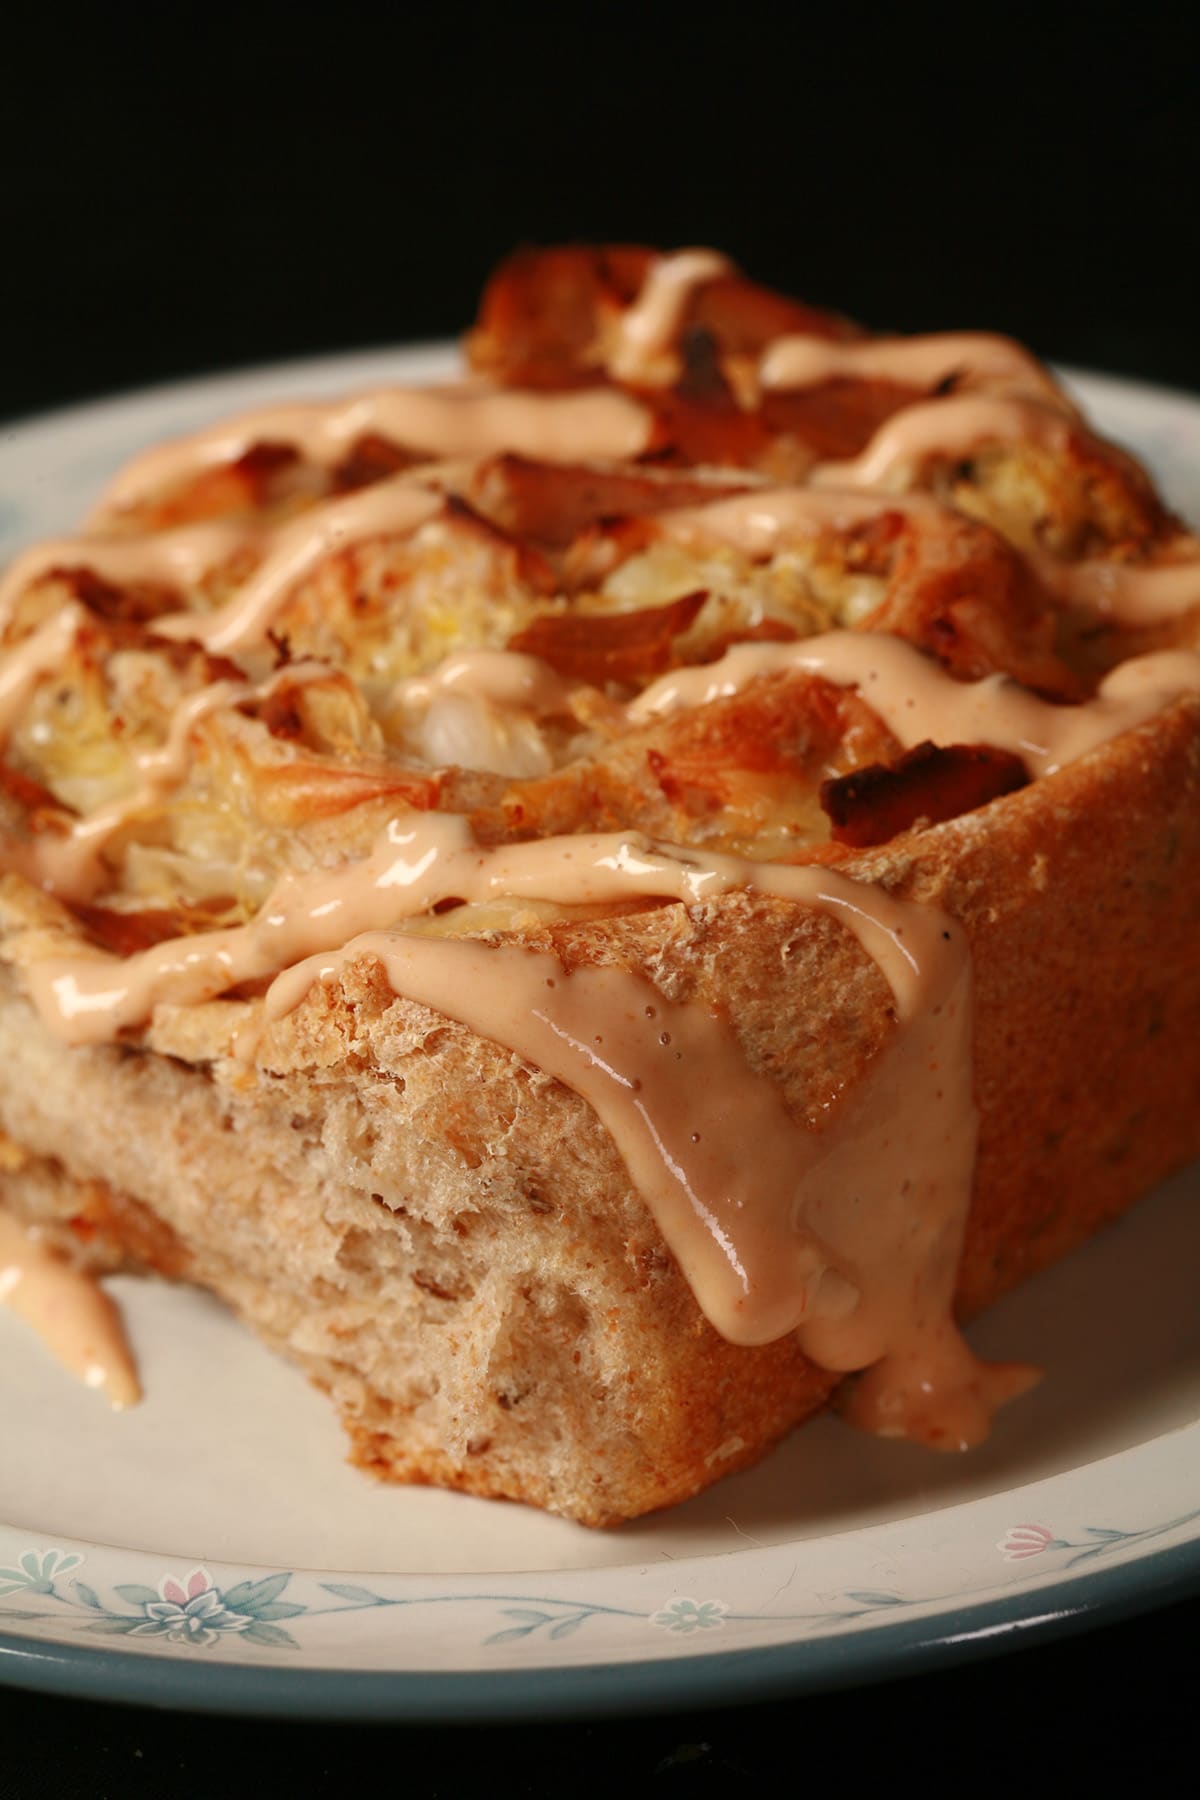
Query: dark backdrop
[[196, 185]]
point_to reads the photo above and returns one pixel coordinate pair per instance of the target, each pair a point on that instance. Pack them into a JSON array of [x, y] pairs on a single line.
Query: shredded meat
[[601, 647], [552, 503]]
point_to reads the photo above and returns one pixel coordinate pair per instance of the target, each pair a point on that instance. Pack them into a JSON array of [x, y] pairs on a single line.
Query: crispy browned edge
[[1081, 898]]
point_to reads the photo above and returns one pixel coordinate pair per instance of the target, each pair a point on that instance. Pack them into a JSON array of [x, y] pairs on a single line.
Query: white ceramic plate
[[211, 1547]]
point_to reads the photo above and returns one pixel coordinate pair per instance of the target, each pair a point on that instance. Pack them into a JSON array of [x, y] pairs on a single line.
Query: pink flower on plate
[[197, 1583], [191, 1611], [1020, 1541]]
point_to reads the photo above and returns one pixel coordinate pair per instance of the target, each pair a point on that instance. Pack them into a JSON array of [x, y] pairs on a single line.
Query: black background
[[1109, 1713], [190, 187], [195, 186]]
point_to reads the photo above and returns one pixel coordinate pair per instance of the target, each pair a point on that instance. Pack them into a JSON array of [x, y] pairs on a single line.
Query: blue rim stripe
[[904, 1647]]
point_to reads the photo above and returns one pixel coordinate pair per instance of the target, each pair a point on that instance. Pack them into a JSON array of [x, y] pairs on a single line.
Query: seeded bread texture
[[447, 1240]]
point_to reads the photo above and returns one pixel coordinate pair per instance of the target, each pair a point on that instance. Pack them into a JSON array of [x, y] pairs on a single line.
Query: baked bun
[[606, 905]]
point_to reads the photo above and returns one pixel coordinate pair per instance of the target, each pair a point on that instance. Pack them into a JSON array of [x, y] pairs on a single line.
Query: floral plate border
[[1092, 1543], [1095, 1543]]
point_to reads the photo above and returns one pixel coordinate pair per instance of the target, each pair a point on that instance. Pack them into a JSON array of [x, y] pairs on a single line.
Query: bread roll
[[607, 906]]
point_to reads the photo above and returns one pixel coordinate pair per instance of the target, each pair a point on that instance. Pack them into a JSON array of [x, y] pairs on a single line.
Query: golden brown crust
[[1075, 954]]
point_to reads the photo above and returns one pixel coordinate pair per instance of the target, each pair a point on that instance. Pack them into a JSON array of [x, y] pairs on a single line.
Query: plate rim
[[597, 1689]]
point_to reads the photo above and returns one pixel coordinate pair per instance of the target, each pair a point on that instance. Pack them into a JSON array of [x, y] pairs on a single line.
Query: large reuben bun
[[606, 904]]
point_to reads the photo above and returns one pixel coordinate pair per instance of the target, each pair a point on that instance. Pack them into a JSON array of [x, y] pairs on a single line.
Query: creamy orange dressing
[[802, 361], [70, 1312], [178, 558], [757, 522], [1126, 593], [416, 862], [764, 1254], [443, 422], [644, 347], [390, 508], [421, 859], [849, 1236], [395, 507], [918, 700], [183, 556], [505, 677], [956, 426], [29, 662]]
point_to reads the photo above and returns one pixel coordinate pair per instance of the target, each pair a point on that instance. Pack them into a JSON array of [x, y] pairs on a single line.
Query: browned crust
[[1087, 1067], [1087, 974]]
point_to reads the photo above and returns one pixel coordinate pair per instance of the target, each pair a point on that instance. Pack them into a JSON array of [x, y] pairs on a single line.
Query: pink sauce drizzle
[[850, 1236], [70, 1312]]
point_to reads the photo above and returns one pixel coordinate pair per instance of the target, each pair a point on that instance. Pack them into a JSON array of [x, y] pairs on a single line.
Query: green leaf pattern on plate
[[190, 1611]]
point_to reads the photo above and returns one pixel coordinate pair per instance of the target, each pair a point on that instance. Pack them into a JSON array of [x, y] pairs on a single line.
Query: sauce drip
[[849, 1236], [1126, 593], [843, 494], [69, 1311]]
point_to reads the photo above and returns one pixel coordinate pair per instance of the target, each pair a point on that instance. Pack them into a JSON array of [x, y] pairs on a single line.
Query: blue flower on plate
[[690, 1615], [192, 1611], [37, 1572]]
